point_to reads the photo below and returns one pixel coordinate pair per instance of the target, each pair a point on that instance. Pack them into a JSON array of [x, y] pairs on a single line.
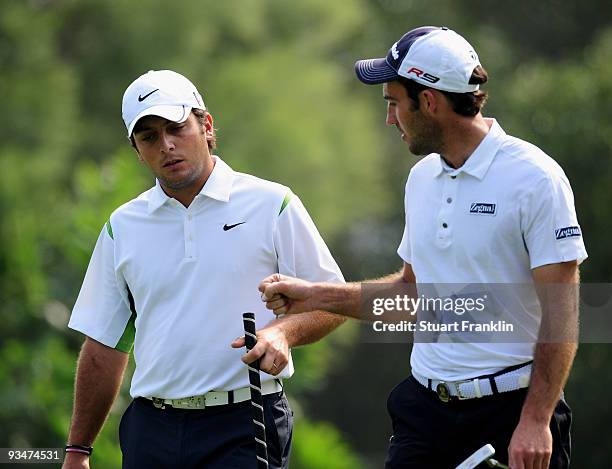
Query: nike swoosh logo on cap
[[142, 98]]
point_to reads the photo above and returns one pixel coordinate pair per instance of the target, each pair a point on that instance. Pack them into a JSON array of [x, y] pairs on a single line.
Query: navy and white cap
[[436, 57], [162, 93]]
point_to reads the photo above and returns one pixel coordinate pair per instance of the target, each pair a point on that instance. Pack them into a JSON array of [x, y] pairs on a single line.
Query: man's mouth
[[172, 162], [402, 133]]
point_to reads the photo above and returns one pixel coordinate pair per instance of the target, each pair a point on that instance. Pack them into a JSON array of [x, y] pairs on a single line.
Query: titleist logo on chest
[[482, 208]]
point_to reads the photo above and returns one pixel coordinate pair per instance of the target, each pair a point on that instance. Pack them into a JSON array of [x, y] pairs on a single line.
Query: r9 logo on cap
[[423, 75]]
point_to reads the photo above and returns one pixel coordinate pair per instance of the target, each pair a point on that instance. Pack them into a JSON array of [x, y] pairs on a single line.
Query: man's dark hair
[[201, 116], [465, 104]]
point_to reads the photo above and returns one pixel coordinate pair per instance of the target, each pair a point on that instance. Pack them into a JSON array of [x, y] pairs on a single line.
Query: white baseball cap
[[436, 57], [162, 93]]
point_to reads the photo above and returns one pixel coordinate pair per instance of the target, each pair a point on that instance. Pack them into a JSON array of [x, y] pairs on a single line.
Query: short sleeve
[[300, 248], [549, 223], [102, 309]]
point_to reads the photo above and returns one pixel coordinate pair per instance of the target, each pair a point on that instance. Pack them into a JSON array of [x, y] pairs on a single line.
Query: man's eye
[[147, 138]]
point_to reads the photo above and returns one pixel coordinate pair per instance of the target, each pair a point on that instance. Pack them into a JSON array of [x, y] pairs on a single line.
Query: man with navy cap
[[482, 208], [171, 274]]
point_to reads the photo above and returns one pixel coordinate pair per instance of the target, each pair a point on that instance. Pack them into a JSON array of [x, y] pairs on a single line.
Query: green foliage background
[[277, 76]]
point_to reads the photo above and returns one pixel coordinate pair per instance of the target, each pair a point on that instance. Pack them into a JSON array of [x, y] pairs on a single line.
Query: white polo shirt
[[192, 272], [507, 210]]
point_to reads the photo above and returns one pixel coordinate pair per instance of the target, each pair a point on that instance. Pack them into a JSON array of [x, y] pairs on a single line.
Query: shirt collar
[[218, 186], [480, 160], [219, 183]]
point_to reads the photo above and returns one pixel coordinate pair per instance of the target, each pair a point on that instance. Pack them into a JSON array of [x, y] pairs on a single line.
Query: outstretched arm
[[324, 306], [288, 295]]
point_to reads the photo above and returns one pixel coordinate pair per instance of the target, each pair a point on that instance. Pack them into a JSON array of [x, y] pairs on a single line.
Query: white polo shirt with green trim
[[176, 280], [509, 209]]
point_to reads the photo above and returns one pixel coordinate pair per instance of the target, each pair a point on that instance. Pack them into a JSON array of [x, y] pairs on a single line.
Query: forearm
[[551, 366], [532, 441], [557, 287], [306, 328], [338, 298], [100, 371], [346, 299]]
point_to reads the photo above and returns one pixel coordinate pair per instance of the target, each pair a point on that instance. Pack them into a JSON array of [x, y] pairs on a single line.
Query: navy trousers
[[219, 437], [429, 433]]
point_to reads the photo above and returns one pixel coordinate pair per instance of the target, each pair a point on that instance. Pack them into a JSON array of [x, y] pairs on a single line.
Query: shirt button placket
[[188, 229], [447, 208]]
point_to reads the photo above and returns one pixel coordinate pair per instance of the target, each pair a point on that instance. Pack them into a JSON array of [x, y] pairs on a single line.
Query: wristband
[[78, 449]]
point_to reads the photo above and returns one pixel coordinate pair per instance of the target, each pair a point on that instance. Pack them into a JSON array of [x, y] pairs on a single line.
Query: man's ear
[[208, 125], [428, 101]]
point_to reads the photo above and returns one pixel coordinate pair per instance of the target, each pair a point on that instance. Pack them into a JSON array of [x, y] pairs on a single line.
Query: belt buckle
[[158, 402], [443, 390]]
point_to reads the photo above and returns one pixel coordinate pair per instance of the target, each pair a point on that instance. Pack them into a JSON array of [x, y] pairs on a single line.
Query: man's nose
[[167, 142]]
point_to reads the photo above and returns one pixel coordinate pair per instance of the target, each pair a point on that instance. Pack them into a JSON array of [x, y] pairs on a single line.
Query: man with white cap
[[171, 274], [482, 207]]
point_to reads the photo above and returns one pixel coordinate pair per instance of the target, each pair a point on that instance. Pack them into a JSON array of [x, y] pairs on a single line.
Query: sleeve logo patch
[[481, 208], [567, 232]]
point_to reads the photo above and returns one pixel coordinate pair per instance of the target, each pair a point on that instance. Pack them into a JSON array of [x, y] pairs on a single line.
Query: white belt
[[478, 387], [214, 398]]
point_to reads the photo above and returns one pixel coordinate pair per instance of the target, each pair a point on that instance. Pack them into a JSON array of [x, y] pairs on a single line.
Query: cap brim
[[375, 71], [172, 113]]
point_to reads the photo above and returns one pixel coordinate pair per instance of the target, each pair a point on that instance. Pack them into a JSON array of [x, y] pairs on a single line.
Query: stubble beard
[[427, 140], [187, 181], [177, 185]]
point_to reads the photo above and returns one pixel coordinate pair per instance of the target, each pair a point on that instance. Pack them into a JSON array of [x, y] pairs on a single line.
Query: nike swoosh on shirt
[[229, 227]]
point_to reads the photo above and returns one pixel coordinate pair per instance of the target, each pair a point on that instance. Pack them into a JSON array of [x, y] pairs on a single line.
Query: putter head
[[477, 457]]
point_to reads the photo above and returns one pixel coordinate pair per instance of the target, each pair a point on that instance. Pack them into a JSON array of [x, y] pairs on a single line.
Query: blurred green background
[[278, 78]]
